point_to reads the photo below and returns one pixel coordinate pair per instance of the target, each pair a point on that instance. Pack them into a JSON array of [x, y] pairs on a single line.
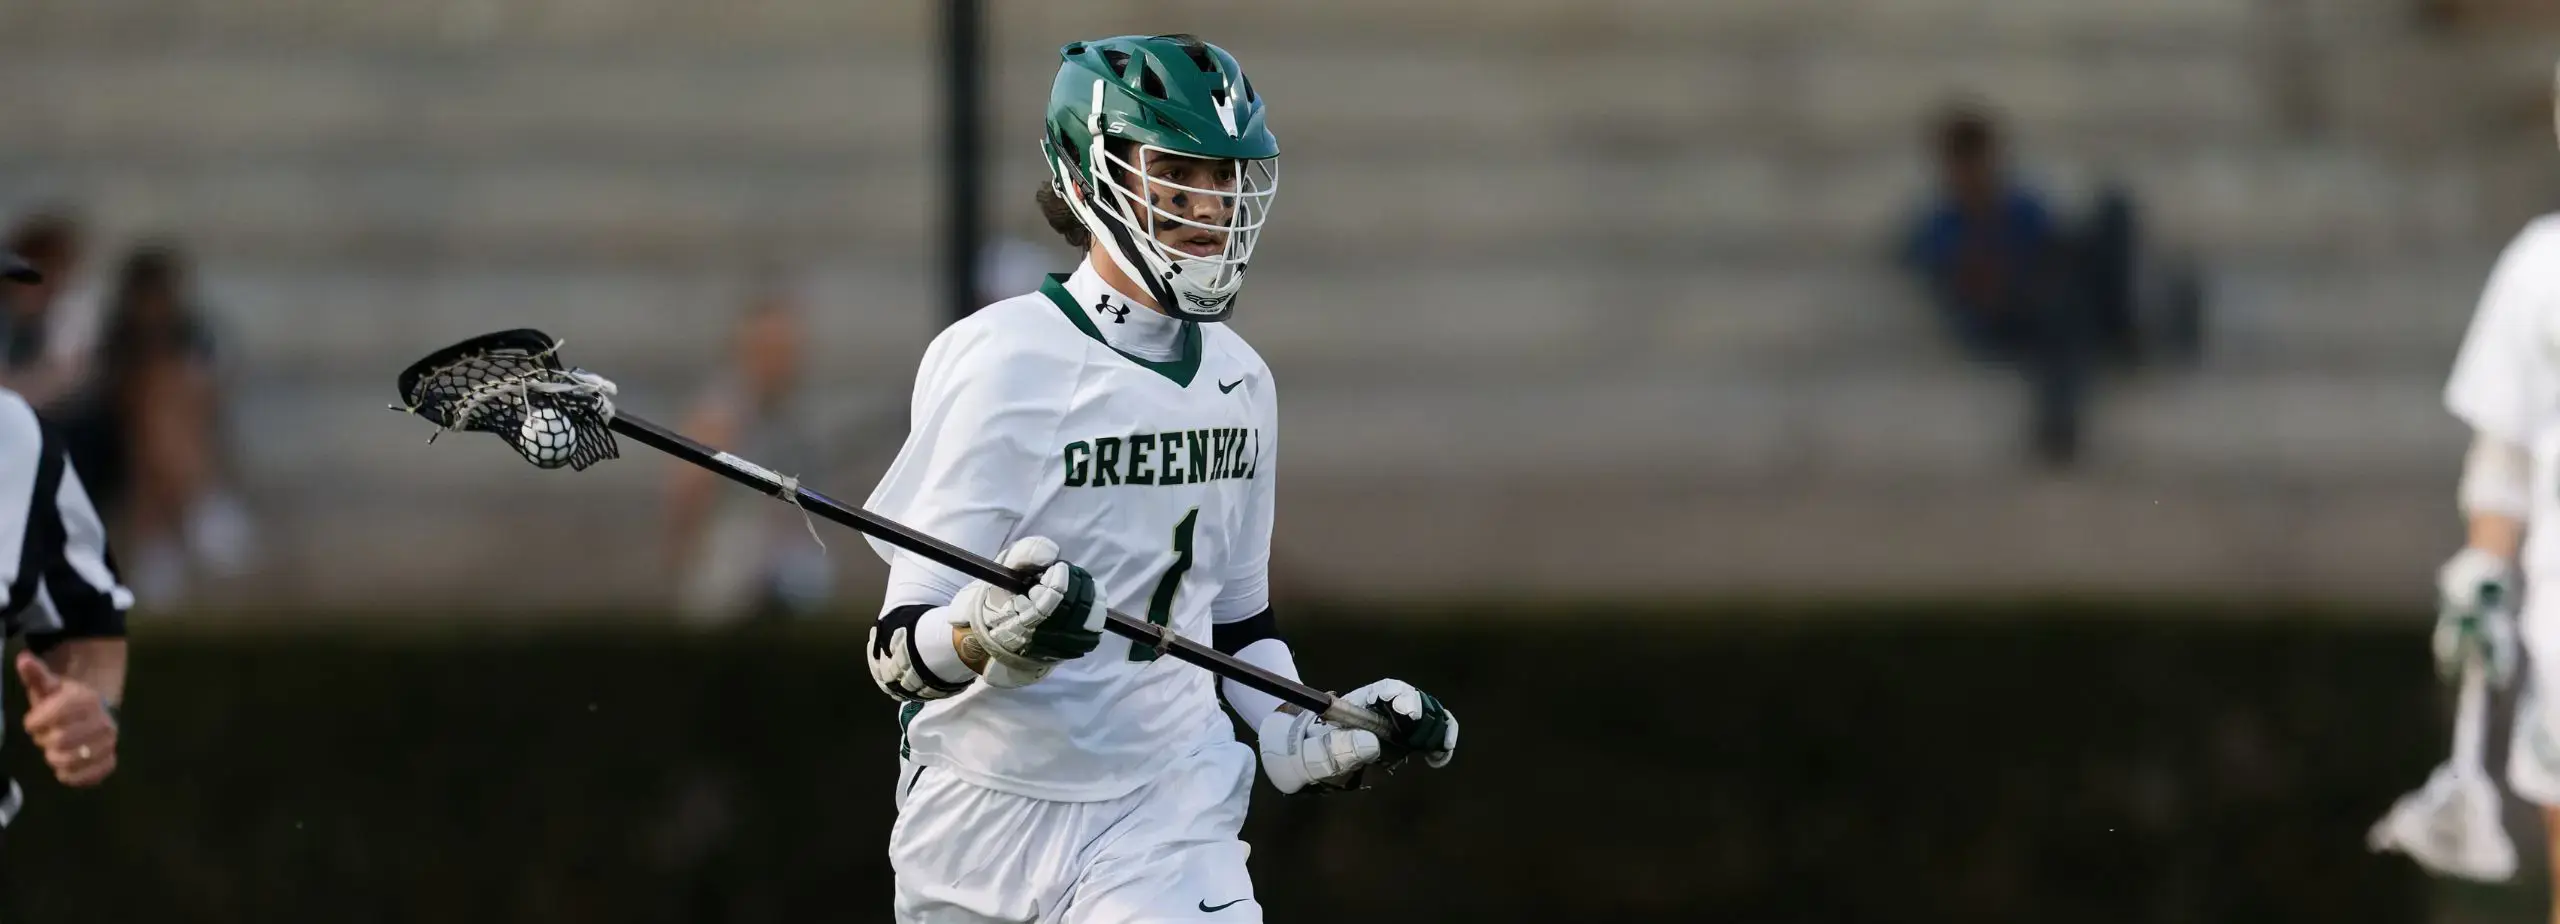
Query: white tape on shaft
[[786, 487], [750, 468]]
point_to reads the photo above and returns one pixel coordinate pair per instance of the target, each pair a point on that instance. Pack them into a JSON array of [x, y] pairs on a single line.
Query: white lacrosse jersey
[[1151, 467], [2505, 384]]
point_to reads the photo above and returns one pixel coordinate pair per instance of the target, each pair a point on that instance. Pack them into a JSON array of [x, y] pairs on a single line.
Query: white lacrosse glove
[[2476, 594], [1025, 635], [1301, 748]]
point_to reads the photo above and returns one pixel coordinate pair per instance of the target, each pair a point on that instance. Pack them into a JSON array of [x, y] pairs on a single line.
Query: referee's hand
[[69, 721]]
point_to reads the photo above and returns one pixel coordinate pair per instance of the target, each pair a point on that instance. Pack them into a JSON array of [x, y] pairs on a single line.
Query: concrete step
[[2245, 204], [294, 436], [1341, 323], [1954, 425], [1457, 101], [477, 23], [423, 209], [1356, 321], [1443, 99], [2288, 485], [304, 322], [2384, 318], [214, 103], [1413, 536], [556, 23], [2282, 432], [1808, 319], [1741, 202], [1650, 23], [1958, 425], [1421, 536]]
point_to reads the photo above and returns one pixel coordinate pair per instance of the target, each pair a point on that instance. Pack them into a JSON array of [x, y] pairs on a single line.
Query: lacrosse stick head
[[513, 384], [2450, 827]]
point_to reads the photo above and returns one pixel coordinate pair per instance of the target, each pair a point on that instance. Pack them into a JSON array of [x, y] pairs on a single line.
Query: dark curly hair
[[1053, 208], [1061, 219]]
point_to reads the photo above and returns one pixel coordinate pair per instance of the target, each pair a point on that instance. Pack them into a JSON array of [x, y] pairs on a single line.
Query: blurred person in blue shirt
[[1985, 246], [1996, 267]]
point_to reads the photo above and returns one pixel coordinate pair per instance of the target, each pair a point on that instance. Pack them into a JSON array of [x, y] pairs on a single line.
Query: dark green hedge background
[[1904, 765]]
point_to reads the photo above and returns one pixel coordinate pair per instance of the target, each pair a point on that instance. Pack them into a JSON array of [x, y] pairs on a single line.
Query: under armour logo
[[1119, 313]]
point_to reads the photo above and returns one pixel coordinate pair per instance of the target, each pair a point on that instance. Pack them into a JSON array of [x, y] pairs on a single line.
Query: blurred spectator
[[1995, 265], [147, 434], [41, 344], [737, 553], [1985, 246], [2015, 284]]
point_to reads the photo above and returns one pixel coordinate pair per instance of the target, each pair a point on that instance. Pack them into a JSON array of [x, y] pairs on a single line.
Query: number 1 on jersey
[[1160, 607]]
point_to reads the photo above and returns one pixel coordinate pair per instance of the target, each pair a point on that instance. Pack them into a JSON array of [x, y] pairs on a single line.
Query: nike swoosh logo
[[1205, 906], [1223, 388]]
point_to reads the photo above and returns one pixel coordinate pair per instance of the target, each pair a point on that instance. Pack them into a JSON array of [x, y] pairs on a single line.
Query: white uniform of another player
[[1125, 454], [2506, 386]]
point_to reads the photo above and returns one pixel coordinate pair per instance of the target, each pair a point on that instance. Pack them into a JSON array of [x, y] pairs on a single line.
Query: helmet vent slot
[[1196, 50]]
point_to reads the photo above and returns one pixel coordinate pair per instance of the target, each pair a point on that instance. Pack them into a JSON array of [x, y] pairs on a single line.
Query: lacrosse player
[[1110, 434], [2506, 386]]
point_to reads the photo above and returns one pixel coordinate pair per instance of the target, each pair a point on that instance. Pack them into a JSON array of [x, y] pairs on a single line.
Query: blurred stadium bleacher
[[1594, 291]]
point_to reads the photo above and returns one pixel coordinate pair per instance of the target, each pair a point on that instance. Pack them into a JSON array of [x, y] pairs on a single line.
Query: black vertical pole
[[964, 73]]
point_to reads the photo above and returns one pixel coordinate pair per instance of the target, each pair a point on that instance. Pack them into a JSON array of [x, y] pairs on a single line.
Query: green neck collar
[[1180, 369]]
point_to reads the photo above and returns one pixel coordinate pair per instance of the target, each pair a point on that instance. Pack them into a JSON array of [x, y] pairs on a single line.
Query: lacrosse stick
[[2450, 825], [513, 384]]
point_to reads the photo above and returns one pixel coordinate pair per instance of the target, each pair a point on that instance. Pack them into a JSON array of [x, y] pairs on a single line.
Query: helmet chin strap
[[1116, 243]]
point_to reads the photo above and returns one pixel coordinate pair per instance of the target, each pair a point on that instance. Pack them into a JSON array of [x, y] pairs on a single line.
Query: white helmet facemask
[[1202, 285]]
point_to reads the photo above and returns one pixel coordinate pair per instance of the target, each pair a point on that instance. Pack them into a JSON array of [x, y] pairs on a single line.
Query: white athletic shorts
[[2533, 746], [1167, 852], [2533, 749]]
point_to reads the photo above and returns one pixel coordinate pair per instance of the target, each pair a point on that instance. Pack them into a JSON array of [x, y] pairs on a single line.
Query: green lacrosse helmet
[[1150, 96]]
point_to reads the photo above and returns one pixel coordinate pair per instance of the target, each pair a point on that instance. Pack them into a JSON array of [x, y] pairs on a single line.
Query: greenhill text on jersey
[[1176, 457]]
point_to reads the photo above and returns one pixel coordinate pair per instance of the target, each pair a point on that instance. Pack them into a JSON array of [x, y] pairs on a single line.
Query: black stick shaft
[[977, 567]]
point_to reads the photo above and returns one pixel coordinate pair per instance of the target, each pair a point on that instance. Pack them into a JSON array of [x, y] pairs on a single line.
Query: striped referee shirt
[[57, 579]]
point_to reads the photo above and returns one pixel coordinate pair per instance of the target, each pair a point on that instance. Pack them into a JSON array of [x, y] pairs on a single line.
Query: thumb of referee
[[40, 680]]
